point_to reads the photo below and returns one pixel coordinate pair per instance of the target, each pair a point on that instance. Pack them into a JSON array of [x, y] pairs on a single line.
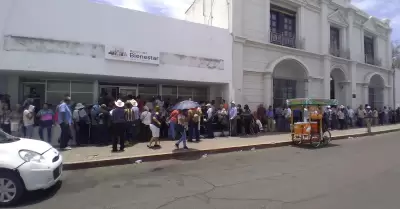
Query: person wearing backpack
[[81, 121]]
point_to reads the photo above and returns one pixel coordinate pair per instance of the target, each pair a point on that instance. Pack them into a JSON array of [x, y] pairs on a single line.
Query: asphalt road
[[360, 173]]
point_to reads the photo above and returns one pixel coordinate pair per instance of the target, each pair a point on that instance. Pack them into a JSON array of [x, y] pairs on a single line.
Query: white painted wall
[[83, 21]]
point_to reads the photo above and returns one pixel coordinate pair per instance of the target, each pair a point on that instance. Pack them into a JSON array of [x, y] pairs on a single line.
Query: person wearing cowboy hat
[[118, 122], [81, 124]]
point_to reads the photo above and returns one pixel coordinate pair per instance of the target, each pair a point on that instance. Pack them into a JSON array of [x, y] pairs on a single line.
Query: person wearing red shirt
[[173, 120]]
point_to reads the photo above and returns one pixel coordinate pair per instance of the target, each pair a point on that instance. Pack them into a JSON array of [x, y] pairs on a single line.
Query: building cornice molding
[[338, 18]]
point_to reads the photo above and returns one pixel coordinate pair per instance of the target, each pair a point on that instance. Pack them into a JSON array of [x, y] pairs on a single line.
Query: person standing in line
[[173, 120], [6, 118], [350, 113], [94, 132], [136, 122], [193, 120], [270, 119], [360, 116], [375, 117], [16, 121], [29, 120], [233, 119], [118, 126], [181, 128], [46, 121], [65, 121], [155, 128], [341, 117], [145, 117], [82, 122], [129, 118], [209, 121]]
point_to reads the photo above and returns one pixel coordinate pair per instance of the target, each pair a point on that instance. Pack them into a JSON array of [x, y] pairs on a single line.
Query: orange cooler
[[298, 128]]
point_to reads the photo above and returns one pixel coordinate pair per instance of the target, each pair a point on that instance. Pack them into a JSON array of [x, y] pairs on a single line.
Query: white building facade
[[303, 48], [50, 48]]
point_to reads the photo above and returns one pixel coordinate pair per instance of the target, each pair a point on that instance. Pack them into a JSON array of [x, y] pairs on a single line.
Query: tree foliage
[[396, 54]]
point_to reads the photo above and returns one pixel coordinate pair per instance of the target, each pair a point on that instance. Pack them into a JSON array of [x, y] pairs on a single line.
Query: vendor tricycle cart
[[309, 128]]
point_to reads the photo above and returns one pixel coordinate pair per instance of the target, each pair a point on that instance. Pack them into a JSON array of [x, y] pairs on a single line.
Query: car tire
[[5, 178]]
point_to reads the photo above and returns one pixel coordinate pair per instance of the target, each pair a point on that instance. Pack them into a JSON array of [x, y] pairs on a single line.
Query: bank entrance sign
[[131, 55]]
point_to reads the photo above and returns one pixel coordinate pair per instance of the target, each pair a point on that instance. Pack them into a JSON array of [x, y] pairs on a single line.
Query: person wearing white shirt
[[350, 112], [287, 113], [233, 118], [28, 120], [145, 117], [209, 121]]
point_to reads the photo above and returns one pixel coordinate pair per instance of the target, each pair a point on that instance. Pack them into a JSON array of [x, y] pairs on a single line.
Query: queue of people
[[129, 120]]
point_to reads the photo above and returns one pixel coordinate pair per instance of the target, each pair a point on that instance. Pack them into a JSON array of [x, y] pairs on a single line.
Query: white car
[[26, 165]]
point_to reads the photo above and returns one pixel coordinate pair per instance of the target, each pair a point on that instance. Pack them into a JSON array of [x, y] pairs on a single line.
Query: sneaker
[[66, 148], [185, 147], [177, 146]]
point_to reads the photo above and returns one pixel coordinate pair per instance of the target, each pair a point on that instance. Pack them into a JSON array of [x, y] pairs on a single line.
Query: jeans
[[194, 131], [183, 138], [65, 135], [172, 130], [29, 131], [48, 129]]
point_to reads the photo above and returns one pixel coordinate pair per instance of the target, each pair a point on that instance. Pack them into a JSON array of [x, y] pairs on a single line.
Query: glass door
[[127, 92]]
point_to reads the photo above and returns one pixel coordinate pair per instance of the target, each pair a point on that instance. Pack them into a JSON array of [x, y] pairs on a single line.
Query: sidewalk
[[89, 157]]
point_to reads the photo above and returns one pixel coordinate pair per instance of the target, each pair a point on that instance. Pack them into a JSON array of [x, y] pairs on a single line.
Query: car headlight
[[28, 156]]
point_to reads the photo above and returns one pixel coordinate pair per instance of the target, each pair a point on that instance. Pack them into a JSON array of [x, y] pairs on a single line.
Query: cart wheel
[[326, 137], [315, 140]]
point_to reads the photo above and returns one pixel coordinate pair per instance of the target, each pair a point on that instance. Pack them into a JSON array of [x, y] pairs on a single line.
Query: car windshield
[[5, 137]]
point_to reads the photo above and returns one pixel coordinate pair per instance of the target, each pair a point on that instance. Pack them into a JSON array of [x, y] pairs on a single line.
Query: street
[[359, 173]]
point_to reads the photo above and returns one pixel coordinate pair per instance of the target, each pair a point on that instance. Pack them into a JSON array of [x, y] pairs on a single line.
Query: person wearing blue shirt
[[233, 118], [65, 121]]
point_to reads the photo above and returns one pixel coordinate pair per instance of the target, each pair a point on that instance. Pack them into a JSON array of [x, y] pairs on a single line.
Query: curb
[[194, 153]]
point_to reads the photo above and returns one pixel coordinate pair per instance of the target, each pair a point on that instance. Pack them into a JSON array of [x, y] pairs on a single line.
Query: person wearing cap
[[368, 118], [81, 124], [209, 121], [233, 118], [118, 126]]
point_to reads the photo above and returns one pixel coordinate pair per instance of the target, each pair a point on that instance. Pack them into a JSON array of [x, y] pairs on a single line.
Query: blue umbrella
[[185, 105]]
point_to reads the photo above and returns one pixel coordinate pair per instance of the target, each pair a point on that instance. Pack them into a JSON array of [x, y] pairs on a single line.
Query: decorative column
[[268, 89], [350, 34], [324, 25], [386, 98], [327, 77], [353, 84], [300, 24], [267, 20], [307, 87], [365, 88], [362, 43], [343, 34], [389, 50]]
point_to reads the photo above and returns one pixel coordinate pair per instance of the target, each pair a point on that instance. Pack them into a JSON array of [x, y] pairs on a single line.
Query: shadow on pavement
[[189, 154], [35, 197], [309, 147]]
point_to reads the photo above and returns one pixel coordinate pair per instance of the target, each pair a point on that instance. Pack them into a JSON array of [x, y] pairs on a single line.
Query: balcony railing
[[284, 40], [343, 53], [369, 59]]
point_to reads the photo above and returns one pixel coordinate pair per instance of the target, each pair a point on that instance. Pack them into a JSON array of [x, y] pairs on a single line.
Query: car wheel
[[11, 188]]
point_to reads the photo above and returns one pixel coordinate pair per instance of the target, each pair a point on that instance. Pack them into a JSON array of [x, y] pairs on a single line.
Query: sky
[[176, 9]]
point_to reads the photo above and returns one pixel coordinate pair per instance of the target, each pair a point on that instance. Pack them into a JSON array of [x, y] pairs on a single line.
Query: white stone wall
[[250, 26], [69, 36]]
